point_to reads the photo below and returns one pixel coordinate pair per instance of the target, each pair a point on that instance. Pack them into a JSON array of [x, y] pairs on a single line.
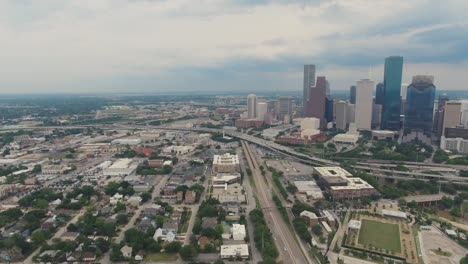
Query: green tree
[[316, 229], [173, 247], [188, 252], [145, 196]]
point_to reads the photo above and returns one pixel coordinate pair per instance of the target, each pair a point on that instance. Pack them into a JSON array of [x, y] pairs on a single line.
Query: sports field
[[381, 235]]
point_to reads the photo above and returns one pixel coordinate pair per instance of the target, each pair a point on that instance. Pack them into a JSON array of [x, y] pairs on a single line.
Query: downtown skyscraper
[[419, 109], [309, 82], [392, 88]]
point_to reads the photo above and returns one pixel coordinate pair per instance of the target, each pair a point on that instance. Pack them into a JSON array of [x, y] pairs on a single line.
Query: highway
[[289, 152], [288, 248]]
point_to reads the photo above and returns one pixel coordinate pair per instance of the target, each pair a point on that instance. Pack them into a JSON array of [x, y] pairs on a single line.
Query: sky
[[107, 46]]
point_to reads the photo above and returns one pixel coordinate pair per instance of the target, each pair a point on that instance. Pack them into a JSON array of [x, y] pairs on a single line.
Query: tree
[[40, 204], [173, 247], [119, 207], [188, 252], [121, 219], [316, 229], [447, 202], [145, 196], [37, 168], [38, 237]]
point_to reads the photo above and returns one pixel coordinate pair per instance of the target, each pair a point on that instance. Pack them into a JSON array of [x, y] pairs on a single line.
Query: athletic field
[[380, 235]]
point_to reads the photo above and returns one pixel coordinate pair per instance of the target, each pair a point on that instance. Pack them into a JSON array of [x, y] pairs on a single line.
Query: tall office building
[[452, 115], [309, 82], [341, 115], [376, 115], [379, 94], [284, 108], [329, 109], [251, 106], [439, 115], [419, 109], [262, 110], [352, 94], [363, 112], [316, 104], [392, 90]]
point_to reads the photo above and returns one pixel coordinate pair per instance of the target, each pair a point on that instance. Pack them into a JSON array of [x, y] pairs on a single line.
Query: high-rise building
[[452, 115], [419, 109], [262, 110], [376, 115], [351, 113], [329, 109], [439, 115], [352, 94], [341, 115], [392, 90], [363, 112], [404, 91], [316, 103], [309, 82], [379, 94], [284, 108], [251, 106]]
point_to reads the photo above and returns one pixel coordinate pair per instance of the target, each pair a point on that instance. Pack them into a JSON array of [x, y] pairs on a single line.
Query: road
[[288, 247], [58, 234]]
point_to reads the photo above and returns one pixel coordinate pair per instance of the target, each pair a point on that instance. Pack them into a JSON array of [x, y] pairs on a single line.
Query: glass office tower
[[392, 88], [420, 106]]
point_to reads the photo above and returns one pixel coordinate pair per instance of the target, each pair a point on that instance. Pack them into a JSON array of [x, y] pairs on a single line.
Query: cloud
[[84, 45]]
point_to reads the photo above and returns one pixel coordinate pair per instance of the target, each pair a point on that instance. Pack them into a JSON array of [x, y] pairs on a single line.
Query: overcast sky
[[207, 45]]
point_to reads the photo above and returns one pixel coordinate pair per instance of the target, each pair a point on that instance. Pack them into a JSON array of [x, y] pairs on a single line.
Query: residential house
[[126, 251]]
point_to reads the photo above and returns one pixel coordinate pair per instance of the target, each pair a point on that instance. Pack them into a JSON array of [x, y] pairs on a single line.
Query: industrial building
[[121, 167]]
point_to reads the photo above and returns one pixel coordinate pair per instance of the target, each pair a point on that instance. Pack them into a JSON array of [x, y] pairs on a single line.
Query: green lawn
[[161, 257], [380, 235]]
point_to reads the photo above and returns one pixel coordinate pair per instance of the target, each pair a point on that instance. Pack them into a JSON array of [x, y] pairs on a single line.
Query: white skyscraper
[[341, 115], [262, 109], [363, 112], [251, 106]]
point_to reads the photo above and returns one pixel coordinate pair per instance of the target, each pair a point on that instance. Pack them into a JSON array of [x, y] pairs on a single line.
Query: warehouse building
[[121, 167]]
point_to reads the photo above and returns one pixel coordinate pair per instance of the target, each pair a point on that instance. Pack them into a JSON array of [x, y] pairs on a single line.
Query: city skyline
[[145, 46]]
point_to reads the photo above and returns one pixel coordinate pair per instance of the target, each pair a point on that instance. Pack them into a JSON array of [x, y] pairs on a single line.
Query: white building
[[126, 141], [234, 251], [310, 123], [346, 139], [226, 163], [178, 150], [238, 232], [458, 144], [164, 235], [251, 106], [262, 109], [341, 110], [121, 167], [363, 113], [226, 178]]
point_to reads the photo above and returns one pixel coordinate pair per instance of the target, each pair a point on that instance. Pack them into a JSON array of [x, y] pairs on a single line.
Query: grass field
[[161, 257], [381, 235]]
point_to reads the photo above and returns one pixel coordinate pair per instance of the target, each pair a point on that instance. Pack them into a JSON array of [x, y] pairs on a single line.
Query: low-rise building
[[238, 232], [342, 185], [234, 251], [121, 167], [310, 217], [190, 197], [226, 163]]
